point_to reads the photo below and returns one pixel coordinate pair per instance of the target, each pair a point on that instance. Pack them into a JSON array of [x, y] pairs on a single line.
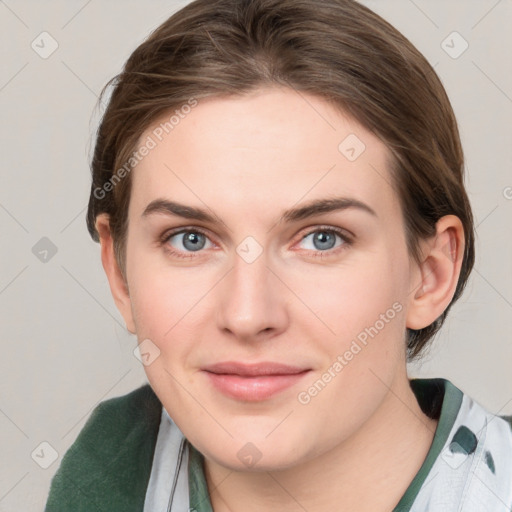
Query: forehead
[[265, 150]]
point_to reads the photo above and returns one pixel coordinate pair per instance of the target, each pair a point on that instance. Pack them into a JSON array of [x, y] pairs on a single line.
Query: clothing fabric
[[168, 484], [131, 457]]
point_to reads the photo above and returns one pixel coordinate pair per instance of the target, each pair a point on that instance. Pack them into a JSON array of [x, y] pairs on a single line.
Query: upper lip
[[254, 369]]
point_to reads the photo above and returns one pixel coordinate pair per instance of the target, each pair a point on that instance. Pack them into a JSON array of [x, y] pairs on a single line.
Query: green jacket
[[107, 469]]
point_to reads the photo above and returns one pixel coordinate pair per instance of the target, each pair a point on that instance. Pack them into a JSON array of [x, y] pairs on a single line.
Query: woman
[[277, 187]]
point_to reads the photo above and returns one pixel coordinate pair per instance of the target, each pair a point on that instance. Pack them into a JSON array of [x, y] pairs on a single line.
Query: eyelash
[[347, 241]]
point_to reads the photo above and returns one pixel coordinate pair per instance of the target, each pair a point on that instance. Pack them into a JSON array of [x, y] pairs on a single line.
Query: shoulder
[[108, 465], [476, 462], [140, 405], [115, 421]]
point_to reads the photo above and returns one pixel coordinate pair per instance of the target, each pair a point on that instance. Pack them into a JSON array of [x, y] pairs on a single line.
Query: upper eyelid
[[338, 230], [179, 231]]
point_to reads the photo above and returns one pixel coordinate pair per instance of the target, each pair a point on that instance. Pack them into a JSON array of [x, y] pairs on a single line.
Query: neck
[[369, 471]]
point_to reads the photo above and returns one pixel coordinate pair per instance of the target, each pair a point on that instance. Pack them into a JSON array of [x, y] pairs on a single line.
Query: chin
[[253, 456]]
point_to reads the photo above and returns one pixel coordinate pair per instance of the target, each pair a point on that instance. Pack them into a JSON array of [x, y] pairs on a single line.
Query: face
[[235, 256]]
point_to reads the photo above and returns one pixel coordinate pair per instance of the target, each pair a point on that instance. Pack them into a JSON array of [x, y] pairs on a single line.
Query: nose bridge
[[250, 301]]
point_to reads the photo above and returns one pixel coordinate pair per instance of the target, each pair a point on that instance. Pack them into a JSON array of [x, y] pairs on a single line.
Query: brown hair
[[335, 49]]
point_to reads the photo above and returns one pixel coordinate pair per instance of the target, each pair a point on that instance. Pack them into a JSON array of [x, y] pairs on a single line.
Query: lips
[[255, 369], [253, 382]]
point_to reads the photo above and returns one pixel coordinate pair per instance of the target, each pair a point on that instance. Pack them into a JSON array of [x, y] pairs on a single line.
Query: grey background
[[64, 345]]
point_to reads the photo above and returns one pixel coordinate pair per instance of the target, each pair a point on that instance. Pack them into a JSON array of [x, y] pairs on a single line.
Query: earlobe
[[118, 285], [439, 273]]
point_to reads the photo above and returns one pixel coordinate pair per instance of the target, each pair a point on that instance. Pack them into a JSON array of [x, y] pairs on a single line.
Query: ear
[[118, 285], [438, 273]]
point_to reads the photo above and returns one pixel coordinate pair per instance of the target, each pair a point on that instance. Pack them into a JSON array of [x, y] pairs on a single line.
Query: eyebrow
[[316, 207]]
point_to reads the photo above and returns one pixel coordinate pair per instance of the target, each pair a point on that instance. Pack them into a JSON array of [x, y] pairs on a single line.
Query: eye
[[186, 241], [325, 239]]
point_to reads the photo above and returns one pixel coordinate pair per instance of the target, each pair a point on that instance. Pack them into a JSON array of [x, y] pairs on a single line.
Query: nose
[[251, 301]]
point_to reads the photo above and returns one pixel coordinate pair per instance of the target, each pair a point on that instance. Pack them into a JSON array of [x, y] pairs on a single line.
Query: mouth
[[253, 382]]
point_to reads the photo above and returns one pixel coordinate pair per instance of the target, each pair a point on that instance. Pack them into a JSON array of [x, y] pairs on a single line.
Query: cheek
[[353, 297], [364, 307], [164, 298], [166, 304], [155, 308]]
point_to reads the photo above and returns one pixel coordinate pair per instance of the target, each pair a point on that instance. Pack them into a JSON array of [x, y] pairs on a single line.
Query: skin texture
[[246, 160]]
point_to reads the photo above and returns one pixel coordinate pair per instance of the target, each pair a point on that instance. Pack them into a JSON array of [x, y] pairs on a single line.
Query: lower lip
[[253, 389]]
